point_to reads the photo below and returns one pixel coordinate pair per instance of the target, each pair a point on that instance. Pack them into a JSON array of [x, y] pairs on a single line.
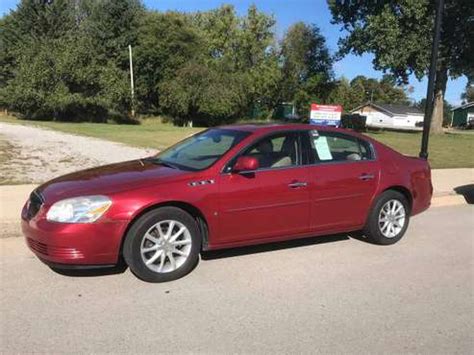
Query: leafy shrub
[[61, 80], [355, 122]]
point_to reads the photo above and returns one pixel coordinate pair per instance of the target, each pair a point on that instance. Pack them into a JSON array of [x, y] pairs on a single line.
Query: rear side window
[[337, 147]]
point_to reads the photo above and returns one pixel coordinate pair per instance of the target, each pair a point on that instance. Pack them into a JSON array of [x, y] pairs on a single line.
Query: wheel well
[[404, 191], [192, 210]]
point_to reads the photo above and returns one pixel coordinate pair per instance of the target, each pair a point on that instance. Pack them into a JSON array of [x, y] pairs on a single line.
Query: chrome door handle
[[295, 185], [366, 177]]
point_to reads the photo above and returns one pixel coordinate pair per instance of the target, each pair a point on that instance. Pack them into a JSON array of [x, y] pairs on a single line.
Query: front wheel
[[162, 245], [388, 219]]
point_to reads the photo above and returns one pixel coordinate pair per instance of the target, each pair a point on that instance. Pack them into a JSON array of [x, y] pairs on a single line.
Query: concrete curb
[[447, 200]]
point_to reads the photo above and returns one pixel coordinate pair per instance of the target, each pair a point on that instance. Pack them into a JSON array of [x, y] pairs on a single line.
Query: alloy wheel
[[392, 218], [166, 246]]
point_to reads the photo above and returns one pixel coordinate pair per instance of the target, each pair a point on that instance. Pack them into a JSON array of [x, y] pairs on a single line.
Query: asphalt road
[[327, 295]]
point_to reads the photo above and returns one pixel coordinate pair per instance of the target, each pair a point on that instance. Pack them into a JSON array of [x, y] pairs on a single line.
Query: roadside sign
[[325, 115]]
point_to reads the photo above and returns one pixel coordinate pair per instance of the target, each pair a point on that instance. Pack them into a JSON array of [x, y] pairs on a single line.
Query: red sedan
[[225, 187]]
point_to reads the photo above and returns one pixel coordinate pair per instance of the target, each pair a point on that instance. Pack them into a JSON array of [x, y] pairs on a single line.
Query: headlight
[[84, 209]]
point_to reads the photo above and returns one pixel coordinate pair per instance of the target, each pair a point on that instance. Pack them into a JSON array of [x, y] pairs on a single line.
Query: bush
[[207, 97], [61, 80], [121, 118], [355, 122]]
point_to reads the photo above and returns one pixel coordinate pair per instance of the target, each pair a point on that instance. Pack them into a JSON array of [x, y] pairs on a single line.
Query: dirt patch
[[35, 155]]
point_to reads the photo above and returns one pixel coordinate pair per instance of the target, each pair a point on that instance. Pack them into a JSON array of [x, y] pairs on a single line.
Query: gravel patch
[[35, 155]]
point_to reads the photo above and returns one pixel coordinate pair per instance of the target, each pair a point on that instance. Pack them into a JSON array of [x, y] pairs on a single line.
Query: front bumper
[[91, 244]]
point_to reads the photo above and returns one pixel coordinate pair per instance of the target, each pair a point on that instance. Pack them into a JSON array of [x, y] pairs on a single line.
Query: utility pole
[[371, 94], [431, 81], [131, 80]]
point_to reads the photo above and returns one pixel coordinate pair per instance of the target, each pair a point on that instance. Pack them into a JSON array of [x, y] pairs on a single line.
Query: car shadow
[[263, 248], [114, 270], [223, 253], [467, 191]]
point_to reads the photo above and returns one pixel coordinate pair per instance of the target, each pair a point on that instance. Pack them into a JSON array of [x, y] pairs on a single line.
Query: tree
[[361, 90], [53, 69], [258, 60], [468, 95], [447, 107], [32, 22], [61, 79], [68, 60], [243, 47], [399, 34], [307, 66], [382, 91], [202, 95], [112, 25], [342, 94], [166, 42]]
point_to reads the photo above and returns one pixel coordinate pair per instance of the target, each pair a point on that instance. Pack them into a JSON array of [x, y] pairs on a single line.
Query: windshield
[[200, 151]]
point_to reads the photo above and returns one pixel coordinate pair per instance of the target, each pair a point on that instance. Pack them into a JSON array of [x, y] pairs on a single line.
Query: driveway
[[35, 155], [323, 295]]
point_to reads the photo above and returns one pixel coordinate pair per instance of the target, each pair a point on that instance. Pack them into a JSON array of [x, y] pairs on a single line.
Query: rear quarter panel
[[412, 174]]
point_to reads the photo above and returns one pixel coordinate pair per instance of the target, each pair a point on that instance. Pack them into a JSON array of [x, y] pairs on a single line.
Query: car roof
[[262, 129], [270, 127]]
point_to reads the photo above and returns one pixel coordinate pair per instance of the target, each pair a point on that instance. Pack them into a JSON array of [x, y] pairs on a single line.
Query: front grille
[[57, 252], [34, 204]]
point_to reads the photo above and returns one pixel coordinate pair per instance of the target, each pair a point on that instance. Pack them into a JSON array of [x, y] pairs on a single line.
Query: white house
[[391, 116]]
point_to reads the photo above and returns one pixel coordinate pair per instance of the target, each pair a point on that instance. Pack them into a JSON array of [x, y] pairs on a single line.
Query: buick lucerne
[[225, 187]]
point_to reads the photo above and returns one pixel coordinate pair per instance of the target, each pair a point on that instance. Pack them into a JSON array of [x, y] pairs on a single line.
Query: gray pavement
[[327, 295]]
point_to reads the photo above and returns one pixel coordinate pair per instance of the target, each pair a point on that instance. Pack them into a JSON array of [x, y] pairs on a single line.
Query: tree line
[[68, 60]]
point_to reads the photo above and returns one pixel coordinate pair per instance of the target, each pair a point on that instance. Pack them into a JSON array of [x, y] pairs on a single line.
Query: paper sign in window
[[322, 148]]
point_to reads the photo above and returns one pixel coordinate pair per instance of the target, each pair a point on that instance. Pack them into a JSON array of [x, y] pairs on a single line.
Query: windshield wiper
[[162, 162]]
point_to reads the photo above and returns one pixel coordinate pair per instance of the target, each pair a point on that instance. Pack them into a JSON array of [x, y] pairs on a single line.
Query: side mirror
[[245, 163]]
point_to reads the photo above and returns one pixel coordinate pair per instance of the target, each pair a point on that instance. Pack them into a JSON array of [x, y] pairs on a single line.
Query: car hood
[[108, 179]]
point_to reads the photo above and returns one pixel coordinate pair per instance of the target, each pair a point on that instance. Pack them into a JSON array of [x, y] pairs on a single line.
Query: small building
[[463, 116], [391, 116]]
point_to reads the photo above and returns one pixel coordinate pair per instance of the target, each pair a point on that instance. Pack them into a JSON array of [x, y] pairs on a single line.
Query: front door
[[271, 201]]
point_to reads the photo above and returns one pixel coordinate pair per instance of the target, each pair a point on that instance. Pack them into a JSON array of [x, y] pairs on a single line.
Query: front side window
[[200, 151], [337, 147], [276, 151]]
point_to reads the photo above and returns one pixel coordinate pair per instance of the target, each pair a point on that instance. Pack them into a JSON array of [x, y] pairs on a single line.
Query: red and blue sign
[[325, 115]]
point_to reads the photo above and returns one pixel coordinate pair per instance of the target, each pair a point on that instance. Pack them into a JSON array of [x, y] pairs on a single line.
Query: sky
[[287, 12]]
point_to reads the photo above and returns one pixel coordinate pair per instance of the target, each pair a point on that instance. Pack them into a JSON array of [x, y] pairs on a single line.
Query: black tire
[[136, 234], [372, 229]]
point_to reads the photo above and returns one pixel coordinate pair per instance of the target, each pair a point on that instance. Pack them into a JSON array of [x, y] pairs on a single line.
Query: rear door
[[271, 201], [343, 176]]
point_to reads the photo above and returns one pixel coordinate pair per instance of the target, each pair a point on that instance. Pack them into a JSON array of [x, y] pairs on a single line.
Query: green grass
[[450, 150]]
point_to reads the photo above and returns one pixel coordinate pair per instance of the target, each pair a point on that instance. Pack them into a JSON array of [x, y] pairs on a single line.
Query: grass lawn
[[450, 150]]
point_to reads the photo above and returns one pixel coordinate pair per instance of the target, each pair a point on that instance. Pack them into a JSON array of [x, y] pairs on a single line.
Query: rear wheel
[[388, 219], [162, 245]]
